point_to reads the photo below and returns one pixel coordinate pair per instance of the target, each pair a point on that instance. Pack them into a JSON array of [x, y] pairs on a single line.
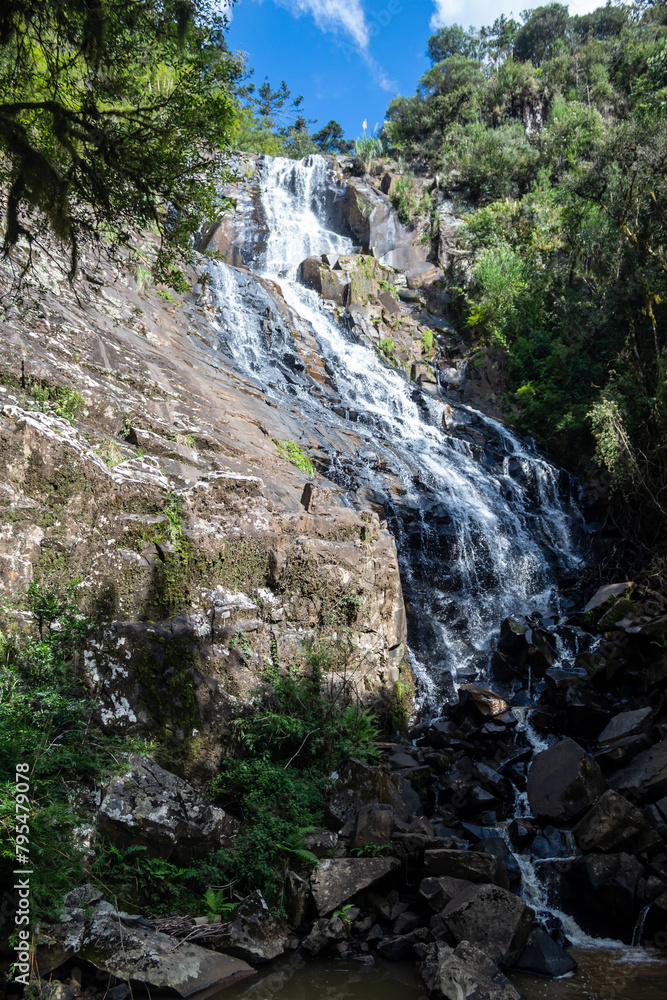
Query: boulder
[[543, 957], [359, 784], [125, 946], [310, 273], [336, 880], [374, 825], [150, 806], [563, 782], [626, 724], [654, 927], [485, 702], [493, 919], [324, 933], [320, 842], [471, 866], [614, 824], [254, 935], [295, 899], [464, 973], [510, 874], [605, 893], [645, 779], [437, 892], [604, 594]]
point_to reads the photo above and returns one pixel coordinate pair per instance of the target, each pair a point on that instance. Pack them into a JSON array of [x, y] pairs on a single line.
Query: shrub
[[291, 452]]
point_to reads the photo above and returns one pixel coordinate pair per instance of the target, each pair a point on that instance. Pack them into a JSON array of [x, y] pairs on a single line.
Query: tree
[[274, 107], [537, 40], [298, 141], [454, 41], [331, 139], [109, 111]]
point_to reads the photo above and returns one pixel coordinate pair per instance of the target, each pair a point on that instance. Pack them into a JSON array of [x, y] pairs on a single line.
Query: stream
[[483, 531]]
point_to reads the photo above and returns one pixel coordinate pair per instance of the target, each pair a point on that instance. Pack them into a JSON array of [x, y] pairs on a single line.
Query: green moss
[[402, 700], [291, 452]]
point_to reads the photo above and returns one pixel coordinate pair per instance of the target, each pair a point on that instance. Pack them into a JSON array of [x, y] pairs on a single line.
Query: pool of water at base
[[604, 974]]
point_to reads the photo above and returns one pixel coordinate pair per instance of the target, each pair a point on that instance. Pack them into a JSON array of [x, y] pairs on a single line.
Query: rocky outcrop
[[254, 935]]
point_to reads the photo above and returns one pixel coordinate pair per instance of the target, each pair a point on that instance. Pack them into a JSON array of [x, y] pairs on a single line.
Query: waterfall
[[479, 536]]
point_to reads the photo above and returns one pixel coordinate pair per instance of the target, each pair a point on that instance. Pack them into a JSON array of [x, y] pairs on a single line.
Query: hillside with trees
[[552, 135]]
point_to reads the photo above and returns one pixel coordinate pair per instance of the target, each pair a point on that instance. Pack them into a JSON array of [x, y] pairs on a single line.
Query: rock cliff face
[[135, 459]]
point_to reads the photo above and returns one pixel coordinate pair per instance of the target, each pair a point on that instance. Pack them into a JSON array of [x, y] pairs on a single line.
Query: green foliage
[[215, 904], [108, 115], [367, 149], [57, 399], [427, 341], [292, 452], [493, 162], [404, 199], [45, 721], [308, 721], [331, 139]]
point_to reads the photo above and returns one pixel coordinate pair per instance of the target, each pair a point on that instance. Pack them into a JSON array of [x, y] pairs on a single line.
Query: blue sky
[[350, 57]]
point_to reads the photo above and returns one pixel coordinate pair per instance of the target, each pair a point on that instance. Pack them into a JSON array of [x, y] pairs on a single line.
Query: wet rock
[[563, 782], [522, 832], [406, 922], [645, 779], [465, 973], [437, 892], [120, 945], [614, 824], [654, 926], [491, 918], [152, 807], [254, 935], [543, 957], [310, 273], [484, 701], [471, 866], [552, 843], [399, 948], [604, 892], [510, 869], [586, 713], [337, 880]]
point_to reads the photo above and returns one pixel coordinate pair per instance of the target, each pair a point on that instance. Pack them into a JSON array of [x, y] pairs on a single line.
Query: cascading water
[[481, 532]]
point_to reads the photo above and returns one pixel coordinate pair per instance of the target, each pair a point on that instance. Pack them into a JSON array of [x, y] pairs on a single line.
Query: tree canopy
[[109, 112]]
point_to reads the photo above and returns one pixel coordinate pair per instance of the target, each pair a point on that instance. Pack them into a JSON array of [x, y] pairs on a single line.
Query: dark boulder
[[493, 919], [471, 866], [543, 957], [605, 894], [359, 784], [336, 880], [509, 865], [645, 779], [438, 892], [614, 824], [563, 782], [374, 825], [254, 935], [464, 973]]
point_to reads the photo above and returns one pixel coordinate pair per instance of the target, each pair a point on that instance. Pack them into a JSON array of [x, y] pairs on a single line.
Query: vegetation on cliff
[[553, 135]]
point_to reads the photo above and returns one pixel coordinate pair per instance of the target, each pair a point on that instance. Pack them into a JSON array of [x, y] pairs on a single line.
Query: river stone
[[325, 931], [605, 593], [543, 957], [491, 918], [374, 825], [563, 782], [153, 807], [470, 866], [614, 824], [645, 779], [486, 702], [336, 880], [122, 946], [465, 973]]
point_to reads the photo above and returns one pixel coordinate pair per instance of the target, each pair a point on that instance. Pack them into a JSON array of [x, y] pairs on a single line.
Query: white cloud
[[479, 12], [334, 15]]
